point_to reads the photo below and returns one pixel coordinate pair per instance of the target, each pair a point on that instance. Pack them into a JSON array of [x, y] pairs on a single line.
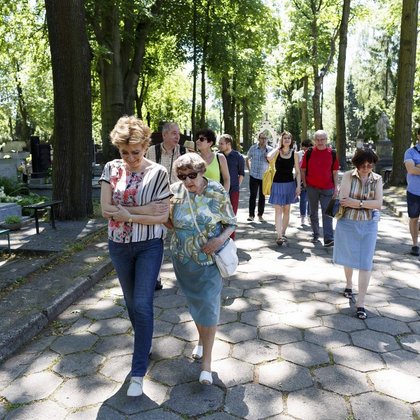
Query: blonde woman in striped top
[[135, 200], [356, 232]]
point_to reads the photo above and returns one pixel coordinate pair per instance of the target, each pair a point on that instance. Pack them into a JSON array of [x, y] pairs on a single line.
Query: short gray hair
[[320, 133], [190, 161], [168, 125]]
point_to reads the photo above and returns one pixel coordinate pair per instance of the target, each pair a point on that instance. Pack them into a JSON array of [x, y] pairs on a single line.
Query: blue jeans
[[316, 196], [137, 265], [304, 204]]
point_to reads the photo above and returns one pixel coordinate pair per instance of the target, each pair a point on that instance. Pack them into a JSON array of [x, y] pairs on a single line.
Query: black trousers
[[255, 188]]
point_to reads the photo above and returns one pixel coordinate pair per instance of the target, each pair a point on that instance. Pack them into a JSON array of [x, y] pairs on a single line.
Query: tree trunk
[[339, 87], [316, 97], [203, 92], [237, 134], [195, 64], [246, 126], [72, 140], [204, 64], [119, 69], [228, 111], [405, 89], [304, 110]]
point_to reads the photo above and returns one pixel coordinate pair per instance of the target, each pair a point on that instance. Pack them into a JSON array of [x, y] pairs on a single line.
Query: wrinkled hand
[[169, 224], [121, 215], [156, 208], [212, 245]]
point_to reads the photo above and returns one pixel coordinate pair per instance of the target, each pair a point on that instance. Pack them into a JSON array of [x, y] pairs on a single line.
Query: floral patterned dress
[[196, 272]]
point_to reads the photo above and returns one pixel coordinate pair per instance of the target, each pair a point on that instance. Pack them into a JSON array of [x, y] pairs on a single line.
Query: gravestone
[[41, 158], [384, 145]]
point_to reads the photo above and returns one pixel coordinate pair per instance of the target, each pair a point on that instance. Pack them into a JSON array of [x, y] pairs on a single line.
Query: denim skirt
[[283, 193], [202, 286], [355, 242]]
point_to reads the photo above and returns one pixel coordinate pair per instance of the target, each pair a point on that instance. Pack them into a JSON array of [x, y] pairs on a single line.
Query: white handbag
[[226, 258]]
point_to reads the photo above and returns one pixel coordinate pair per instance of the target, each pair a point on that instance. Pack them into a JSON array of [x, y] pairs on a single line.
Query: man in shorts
[[412, 164]]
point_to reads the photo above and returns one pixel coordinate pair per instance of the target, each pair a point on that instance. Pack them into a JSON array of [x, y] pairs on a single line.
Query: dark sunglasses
[[201, 138], [192, 175]]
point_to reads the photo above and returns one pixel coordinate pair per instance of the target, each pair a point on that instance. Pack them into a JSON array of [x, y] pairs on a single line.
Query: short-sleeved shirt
[[131, 189], [167, 159], [236, 166], [259, 163], [358, 191], [319, 173], [212, 210], [413, 181]]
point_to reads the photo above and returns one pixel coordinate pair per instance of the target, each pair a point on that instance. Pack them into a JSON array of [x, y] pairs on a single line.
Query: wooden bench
[[41, 206], [6, 232]]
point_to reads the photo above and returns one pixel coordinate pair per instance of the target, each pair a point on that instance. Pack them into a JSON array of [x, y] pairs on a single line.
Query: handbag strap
[[192, 211], [272, 163]]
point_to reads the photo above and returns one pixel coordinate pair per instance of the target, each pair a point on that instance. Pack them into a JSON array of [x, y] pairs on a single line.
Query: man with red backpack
[[319, 172]]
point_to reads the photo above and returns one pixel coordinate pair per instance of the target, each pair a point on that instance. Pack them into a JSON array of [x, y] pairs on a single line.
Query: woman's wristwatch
[[130, 220]]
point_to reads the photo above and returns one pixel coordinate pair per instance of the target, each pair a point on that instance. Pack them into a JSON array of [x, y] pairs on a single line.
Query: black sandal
[[361, 313], [348, 293]]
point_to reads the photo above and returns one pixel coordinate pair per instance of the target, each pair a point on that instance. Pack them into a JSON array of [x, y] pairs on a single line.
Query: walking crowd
[[195, 195]]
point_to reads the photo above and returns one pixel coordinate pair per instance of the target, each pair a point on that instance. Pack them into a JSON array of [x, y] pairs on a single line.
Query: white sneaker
[[136, 386], [197, 353], [206, 378]]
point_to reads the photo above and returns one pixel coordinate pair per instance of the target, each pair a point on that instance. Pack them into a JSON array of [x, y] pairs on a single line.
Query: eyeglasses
[[201, 138], [192, 175], [367, 165], [263, 138]]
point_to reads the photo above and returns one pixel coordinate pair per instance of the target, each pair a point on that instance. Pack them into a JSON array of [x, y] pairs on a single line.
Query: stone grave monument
[[384, 144]]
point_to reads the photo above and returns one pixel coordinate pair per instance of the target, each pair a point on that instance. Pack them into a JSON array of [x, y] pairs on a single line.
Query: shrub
[[12, 219], [8, 185]]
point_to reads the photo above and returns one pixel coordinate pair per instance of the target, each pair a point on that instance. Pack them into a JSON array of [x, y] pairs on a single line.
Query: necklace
[[285, 154]]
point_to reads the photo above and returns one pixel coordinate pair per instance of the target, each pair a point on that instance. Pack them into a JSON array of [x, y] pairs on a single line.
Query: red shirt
[[319, 173]]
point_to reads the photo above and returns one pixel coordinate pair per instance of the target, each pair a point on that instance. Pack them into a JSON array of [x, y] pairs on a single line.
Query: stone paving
[[288, 345]]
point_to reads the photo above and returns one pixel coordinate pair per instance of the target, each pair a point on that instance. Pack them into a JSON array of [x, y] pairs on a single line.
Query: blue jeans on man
[[137, 265], [315, 197]]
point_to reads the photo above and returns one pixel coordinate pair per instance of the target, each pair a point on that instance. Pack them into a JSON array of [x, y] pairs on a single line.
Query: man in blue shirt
[[257, 164], [236, 166], [412, 164]]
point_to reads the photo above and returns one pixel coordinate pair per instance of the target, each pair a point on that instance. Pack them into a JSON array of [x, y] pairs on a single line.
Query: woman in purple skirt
[[285, 189]]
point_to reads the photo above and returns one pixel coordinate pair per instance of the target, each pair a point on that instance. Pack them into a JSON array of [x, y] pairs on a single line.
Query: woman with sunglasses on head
[[199, 203], [356, 232], [217, 167], [135, 200]]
